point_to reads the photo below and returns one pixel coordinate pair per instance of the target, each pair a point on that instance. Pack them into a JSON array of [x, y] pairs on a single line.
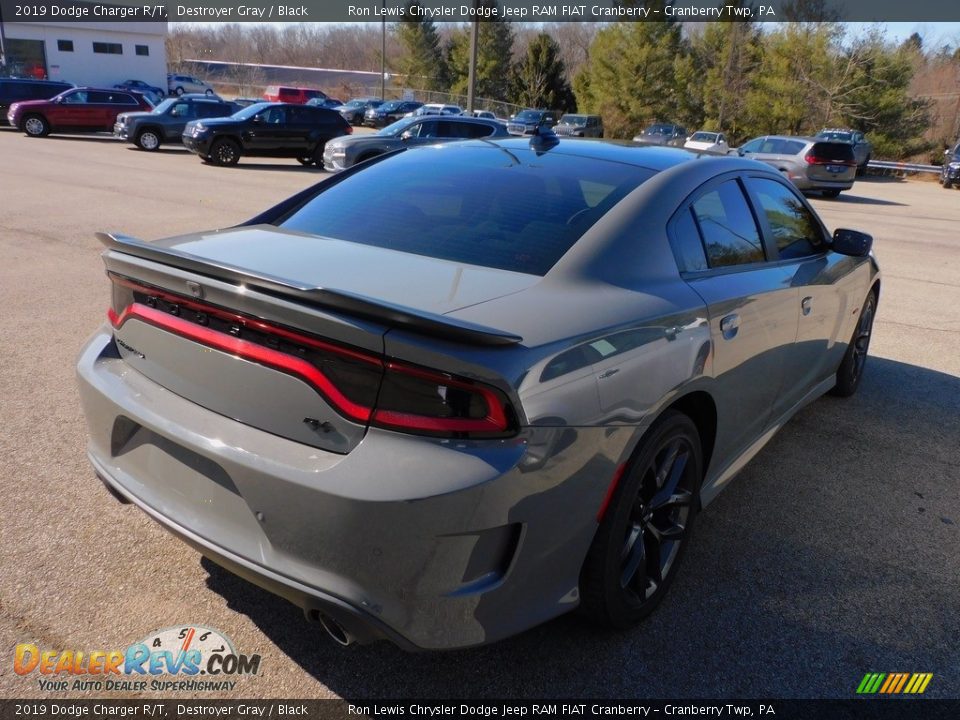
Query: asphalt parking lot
[[836, 552]]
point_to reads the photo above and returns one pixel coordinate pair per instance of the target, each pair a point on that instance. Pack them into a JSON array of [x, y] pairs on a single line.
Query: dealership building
[[98, 54]]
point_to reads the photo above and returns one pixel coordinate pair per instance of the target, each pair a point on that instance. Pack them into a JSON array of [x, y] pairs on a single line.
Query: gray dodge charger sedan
[[462, 389]]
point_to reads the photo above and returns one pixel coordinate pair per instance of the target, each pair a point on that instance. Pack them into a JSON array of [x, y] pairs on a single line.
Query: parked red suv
[[293, 95], [76, 110]]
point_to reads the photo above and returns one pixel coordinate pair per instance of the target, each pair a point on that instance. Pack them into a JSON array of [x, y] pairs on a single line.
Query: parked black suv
[[15, 90], [266, 130], [167, 121], [389, 112]]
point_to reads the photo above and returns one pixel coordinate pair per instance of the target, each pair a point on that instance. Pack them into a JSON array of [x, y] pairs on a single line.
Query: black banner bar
[[236, 709], [484, 10]]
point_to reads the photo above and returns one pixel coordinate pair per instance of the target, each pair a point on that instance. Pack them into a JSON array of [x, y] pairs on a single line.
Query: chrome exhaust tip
[[335, 630]]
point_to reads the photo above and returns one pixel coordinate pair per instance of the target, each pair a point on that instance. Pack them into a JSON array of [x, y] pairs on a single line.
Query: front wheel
[[946, 182], [855, 359], [225, 152], [642, 536], [148, 140], [36, 126]]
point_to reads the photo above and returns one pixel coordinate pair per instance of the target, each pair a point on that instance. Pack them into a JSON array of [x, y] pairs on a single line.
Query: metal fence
[[902, 167]]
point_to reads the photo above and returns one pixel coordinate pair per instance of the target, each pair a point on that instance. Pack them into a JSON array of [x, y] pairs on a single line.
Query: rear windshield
[[841, 135], [833, 151], [478, 205]]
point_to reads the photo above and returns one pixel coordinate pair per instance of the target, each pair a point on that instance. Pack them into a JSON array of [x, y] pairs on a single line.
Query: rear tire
[[854, 360], [640, 541], [178, 91], [947, 184], [35, 126], [224, 152], [148, 140]]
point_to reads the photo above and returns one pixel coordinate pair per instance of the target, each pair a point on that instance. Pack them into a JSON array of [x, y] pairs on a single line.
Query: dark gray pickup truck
[[165, 123]]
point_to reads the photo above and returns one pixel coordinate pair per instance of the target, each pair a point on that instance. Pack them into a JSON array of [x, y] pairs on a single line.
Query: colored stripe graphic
[[894, 683]]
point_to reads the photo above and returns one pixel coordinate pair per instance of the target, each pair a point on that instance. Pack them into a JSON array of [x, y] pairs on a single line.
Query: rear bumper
[[431, 544], [362, 626]]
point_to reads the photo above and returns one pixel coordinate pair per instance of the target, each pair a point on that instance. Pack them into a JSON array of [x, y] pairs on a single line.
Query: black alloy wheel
[[225, 152], [855, 359], [642, 537]]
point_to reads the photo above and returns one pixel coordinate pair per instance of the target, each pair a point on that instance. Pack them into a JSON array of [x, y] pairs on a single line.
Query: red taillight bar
[[243, 349], [496, 420], [815, 160]]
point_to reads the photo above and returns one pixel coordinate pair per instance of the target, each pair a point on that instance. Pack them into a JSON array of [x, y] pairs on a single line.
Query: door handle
[[729, 326], [806, 305], [608, 373]]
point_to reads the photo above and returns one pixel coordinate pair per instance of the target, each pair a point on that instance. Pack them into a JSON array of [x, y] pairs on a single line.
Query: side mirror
[[257, 119], [947, 151], [406, 135], [851, 242]]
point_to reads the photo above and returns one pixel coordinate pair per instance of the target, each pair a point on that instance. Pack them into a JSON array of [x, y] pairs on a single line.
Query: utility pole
[[472, 75], [383, 51]]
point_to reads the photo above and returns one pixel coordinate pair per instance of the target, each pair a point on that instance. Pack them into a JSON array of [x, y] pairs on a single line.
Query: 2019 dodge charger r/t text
[[502, 390]]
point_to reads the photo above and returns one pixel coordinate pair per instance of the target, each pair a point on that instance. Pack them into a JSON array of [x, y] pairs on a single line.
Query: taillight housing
[[360, 386], [816, 160]]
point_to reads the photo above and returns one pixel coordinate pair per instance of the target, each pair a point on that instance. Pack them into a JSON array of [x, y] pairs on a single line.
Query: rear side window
[[729, 232], [794, 228], [686, 244], [212, 110], [473, 205], [839, 152], [454, 129]]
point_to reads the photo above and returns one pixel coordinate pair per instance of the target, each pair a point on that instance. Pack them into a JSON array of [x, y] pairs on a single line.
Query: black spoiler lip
[[420, 321]]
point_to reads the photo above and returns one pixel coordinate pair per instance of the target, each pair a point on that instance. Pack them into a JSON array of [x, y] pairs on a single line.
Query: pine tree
[[539, 79], [494, 59], [423, 61], [632, 77]]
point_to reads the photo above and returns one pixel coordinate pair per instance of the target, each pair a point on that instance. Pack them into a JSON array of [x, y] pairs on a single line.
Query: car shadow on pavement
[[861, 200], [275, 167], [831, 555], [83, 138]]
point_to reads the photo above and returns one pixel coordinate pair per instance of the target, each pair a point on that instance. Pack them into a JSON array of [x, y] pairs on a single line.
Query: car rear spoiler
[[419, 321]]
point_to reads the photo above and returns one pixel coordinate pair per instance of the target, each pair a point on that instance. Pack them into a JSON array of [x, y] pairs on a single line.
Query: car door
[[265, 132], [71, 110], [751, 305], [112, 104], [829, 285]]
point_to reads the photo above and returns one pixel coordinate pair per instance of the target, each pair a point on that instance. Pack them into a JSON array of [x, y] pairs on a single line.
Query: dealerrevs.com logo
[[186, 658]]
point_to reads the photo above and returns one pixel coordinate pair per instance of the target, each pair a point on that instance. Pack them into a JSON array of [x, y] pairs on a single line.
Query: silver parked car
[[178, 84], [457, 392], [346, 151], [810, 164]]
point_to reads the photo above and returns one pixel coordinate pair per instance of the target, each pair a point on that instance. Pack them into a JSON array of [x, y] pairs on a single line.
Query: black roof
[[653, 157]]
